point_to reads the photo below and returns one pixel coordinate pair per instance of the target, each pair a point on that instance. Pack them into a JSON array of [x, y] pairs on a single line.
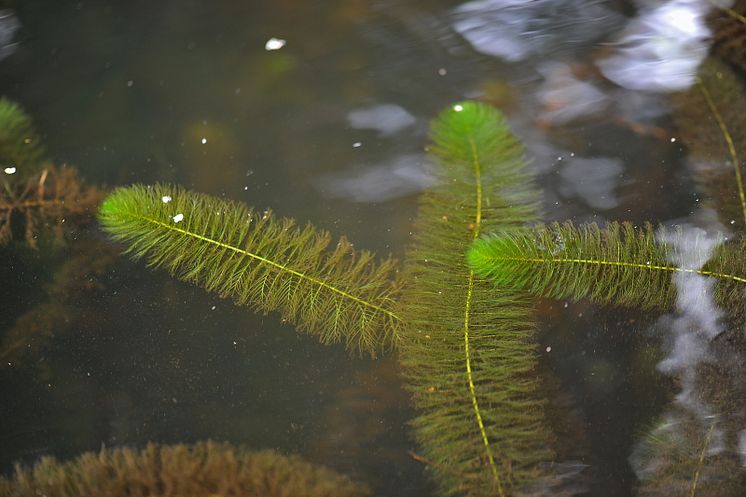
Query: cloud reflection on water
[[401, 176], [662, 48], [514, 30], [8, 26]]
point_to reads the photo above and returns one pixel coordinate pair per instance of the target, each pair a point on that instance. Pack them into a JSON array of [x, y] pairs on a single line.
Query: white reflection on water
[[564, 97], [516, 29], [661, 49], [405, 175], [698, 318], [689, 426], [387, 119], [8, 27], [593, 180]]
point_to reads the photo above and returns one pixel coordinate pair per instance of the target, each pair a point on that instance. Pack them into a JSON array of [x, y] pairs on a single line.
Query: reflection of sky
[[592, 180], [516, 29], [662, 48], [387, 119], [8, 27], [564, 97], [400, 176], [698, 318], [688, 333]]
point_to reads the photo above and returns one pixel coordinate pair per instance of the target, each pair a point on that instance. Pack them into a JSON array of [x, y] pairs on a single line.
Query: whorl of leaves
[[200, 470], [618, 264], [469, 355], [335, 293]]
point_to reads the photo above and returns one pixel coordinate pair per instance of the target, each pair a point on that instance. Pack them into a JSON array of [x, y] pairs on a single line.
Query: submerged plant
[[468, 351], [21, 149], [49, 203], [200, 470], [469, 355], [619, 264], [334, 292], [37, 198], [469, 358]]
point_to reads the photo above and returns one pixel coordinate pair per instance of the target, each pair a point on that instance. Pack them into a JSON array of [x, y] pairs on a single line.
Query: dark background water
[[128, 91]]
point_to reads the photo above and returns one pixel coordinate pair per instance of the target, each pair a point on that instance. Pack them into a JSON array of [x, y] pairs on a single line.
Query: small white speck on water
[[566, 305], [549, 348], [274, 44], [732, 221], [204, 141], [166, 199], [235, 342], [357, 144], [10, 170], [673, 139], [458, 107], [213, 308], [559, 158], [245, 188], [442, 71], [178, 218], [572, 154], [130, 83]]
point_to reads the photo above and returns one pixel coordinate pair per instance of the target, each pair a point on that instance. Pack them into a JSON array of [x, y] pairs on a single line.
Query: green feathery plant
[[618, 264], [20, 147], [469, 354], [334, 292], [626, 265]]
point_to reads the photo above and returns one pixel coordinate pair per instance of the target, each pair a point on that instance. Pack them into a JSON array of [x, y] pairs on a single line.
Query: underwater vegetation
[[329, 290], [729, 33], [37, 199], [481, 423], [463, 328], [199, 470], [77, 279], [466, 344]]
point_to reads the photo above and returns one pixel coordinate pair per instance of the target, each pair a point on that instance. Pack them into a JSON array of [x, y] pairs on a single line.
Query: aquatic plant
[[331, 291], [622, 264], [469, 354], [711, 121], [78, 279], [49, 203], [20, 146], [200, 470], [728, 26], [619, 264], [37, 198], [469, 358]]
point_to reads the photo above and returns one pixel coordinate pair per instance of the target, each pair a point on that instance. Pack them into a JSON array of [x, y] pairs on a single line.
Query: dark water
[[331, 129]]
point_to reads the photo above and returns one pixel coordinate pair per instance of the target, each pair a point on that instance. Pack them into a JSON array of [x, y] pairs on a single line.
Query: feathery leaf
[[336, 293], [619, 264], [469, 355]]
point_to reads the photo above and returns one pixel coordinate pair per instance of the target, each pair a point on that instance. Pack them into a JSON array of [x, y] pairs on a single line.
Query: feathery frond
[[200, 470], [469, 355], [619, 264], [335, 293], [20, 147]]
